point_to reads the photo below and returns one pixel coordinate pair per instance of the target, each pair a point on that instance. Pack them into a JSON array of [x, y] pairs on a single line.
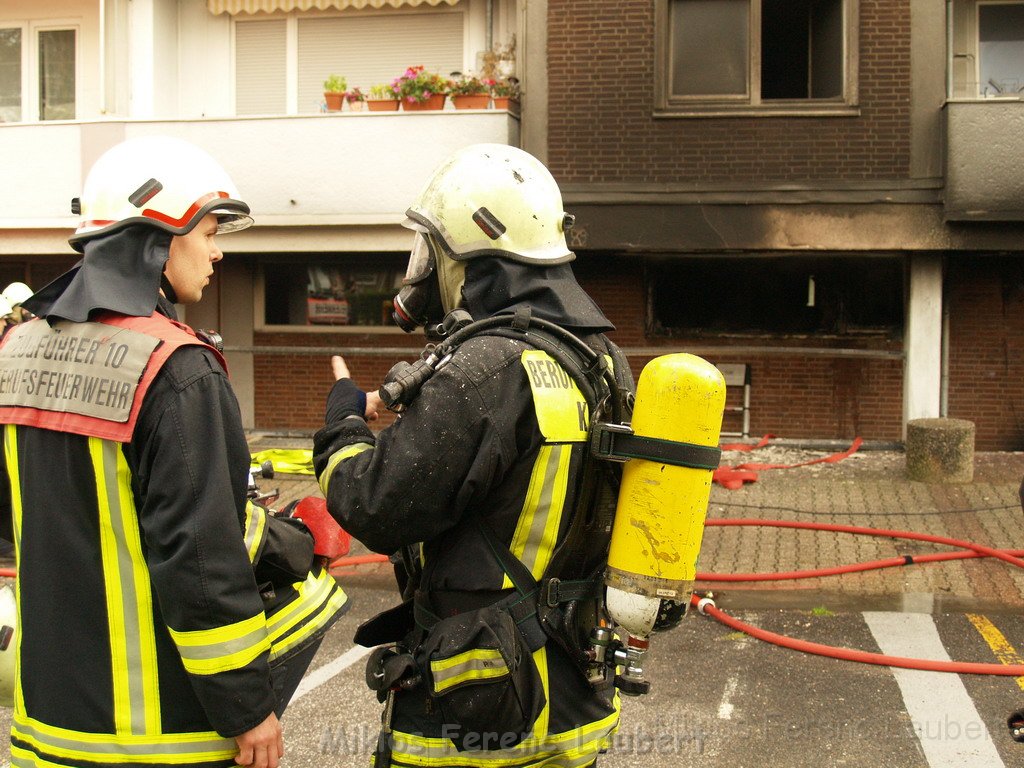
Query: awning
[[269, 6]]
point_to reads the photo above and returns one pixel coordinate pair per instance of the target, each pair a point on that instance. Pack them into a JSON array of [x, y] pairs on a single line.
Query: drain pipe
[[944, 355]]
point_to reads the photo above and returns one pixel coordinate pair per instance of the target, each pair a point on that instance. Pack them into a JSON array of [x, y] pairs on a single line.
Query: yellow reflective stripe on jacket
[[177, 748], [474, 664], [339, 456], [129, 601], [14, 476], [537, 528], [562, 413], [319, 599], [255, 526], [208, 651], [577, 747]]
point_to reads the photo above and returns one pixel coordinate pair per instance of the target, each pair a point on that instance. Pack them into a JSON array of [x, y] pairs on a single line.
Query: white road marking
[[725, 706], [948, 726], [331, 669]]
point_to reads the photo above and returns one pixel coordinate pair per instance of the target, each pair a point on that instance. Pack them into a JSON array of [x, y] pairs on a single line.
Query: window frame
[[292, 42], [30, 73], [668, 105]]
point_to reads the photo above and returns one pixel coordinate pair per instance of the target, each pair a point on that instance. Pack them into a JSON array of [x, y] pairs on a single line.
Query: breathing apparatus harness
[[550, 608]]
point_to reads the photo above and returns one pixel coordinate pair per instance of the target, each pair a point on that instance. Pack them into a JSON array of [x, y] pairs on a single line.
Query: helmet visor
[[421, 260]]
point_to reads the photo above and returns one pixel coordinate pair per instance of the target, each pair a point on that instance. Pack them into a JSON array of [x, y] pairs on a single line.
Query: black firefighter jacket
[[497, 433], [144, 640]]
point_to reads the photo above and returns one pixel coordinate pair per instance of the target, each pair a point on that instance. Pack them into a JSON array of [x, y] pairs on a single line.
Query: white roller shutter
[[374, 50], [260, 67]]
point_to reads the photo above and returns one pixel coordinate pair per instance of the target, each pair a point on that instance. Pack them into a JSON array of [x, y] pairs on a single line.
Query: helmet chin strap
[[168, 289]]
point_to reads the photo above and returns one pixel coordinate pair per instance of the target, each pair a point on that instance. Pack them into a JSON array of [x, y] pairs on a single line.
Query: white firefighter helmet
[[8, 644], [494, 200], [158, 180], [5, 307], [14, 294]]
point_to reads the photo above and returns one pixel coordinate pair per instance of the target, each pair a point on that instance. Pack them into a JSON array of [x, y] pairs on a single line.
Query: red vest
[[86, 378]]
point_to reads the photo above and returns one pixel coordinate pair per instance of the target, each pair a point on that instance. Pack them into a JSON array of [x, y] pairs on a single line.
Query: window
[[769, 56], [1001, 49], [837, 296], [349, 290], [10, 75], [366, 50], [38, 74]]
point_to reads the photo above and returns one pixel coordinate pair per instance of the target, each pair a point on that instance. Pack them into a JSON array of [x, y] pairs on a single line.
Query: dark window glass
[[57, 74], [710, 41], [1001, 49], [10, 75], [801, 49], [784, 295]]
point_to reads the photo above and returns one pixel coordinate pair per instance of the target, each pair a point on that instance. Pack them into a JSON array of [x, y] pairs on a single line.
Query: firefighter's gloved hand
[[345, 399]]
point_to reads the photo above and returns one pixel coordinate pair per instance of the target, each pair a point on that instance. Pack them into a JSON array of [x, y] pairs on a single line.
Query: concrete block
[[940, 450]]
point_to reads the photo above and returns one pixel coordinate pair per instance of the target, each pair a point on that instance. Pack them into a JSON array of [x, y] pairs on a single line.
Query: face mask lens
[[421, 260]]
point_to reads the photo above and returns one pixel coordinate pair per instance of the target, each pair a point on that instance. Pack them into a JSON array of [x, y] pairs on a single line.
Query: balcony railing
[[322, 170]]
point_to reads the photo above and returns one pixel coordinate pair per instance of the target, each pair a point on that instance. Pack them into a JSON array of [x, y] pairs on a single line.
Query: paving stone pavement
[[868, 489]]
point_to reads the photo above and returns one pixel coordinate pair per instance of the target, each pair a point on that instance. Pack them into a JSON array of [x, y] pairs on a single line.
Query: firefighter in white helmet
[[14, 295], [481, 480], [191, 612]]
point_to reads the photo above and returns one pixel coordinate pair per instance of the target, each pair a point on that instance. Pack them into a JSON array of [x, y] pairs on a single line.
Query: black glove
[[345, 399]]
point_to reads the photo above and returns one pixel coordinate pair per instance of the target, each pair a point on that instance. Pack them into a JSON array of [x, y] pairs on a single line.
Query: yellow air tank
[[659, 519]]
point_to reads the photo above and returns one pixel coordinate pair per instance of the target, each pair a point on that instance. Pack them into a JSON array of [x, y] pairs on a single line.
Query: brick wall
[[986, 301], [601, 128]]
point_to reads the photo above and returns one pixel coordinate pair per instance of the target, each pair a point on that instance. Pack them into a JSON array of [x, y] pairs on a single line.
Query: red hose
[[847, 654]]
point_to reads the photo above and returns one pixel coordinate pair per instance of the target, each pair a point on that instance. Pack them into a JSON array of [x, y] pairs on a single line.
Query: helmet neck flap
[[119, 272], [498, 286]]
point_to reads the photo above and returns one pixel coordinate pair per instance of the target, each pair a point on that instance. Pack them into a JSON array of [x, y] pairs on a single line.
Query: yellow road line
[[1000, 646]]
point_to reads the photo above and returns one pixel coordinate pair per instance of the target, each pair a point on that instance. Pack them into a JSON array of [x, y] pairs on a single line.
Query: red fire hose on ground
[[968, 551]]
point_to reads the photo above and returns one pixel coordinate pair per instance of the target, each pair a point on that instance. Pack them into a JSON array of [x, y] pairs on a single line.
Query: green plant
[[468, 85], [335, 84], [383, 91], [416, 85], [356, 94]]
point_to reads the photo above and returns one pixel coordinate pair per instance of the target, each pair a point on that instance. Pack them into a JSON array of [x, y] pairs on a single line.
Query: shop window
[[786, 56], [331, 294], [840, 296], [38, 81], [366, 50]]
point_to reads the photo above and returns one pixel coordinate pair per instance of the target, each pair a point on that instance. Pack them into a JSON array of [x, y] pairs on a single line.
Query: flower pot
[[471, 101], [334, 101], [357, 106], [382, 105], [502, 102], [434, 102]]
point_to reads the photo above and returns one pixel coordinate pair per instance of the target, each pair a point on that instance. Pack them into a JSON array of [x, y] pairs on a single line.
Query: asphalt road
[[720, 698]]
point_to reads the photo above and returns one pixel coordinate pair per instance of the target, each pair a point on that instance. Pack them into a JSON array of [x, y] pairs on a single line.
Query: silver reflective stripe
[[537, 528], [569, 749], [255, 524], [90, 746], [129, 596], [209, 651], [472, 666]]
